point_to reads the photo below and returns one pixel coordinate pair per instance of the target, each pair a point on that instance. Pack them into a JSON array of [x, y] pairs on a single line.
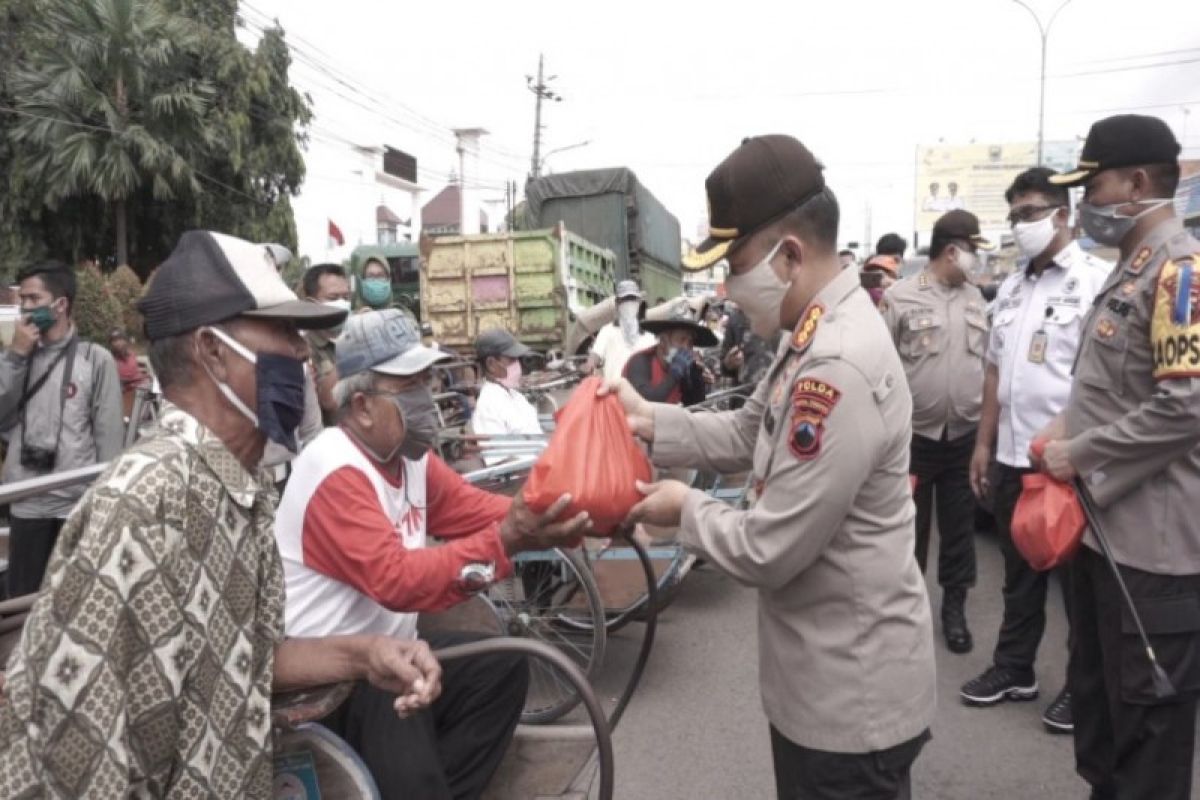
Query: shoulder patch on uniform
[[1175, 321], [1139, 260], [812, 400], [1105, 329], [807, 328]]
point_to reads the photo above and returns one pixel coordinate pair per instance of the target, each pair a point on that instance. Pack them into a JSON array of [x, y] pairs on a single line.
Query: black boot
[[954, 620]]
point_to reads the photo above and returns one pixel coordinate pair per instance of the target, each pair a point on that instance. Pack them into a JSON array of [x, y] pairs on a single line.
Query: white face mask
[[1033, 238], [759, 293], [627, 318], [969, 263], [512, 376]]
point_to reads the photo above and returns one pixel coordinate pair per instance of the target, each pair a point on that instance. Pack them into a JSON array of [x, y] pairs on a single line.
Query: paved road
[[695, 729]]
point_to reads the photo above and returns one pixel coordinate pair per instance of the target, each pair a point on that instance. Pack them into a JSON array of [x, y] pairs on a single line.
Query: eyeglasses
[[1028, 213]]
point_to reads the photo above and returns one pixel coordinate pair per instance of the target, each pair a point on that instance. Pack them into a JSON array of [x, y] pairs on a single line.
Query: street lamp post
[[1045, 33], [542, 165]]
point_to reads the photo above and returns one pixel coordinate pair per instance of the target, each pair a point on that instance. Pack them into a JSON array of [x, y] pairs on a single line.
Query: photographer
[[60, 408]]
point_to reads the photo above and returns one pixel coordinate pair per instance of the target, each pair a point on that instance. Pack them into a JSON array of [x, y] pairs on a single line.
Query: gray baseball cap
[[386, 341], [499, 342]]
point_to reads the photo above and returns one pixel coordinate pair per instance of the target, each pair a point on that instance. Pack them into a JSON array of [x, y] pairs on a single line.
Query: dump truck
[[531, 283], [611, 208]]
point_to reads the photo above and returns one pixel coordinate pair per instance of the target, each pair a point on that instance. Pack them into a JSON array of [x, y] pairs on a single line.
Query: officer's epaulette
[[807, 328]]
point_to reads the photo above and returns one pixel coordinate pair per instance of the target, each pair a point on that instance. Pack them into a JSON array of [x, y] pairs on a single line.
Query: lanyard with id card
[[1037, 344]]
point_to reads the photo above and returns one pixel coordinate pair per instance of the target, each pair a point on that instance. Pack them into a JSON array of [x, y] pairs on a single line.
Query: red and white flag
[[335, 234]]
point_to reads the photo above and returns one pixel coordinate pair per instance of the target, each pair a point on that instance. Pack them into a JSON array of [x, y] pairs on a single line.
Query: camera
[[38, 459], [872, 279]]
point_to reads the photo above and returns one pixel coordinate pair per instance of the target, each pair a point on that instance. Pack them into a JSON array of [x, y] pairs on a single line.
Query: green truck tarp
[[611, 208]]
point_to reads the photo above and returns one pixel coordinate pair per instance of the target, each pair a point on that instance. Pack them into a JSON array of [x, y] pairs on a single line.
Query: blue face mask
[[377, 292], [279, 384]]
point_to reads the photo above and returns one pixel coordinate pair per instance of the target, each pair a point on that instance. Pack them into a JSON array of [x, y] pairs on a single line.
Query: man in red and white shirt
[[352, 529]]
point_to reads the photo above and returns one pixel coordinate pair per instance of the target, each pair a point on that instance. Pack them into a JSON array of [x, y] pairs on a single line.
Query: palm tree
[[107, 106]]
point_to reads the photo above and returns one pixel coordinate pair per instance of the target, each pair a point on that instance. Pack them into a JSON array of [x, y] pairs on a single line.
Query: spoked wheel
[[551, 596]]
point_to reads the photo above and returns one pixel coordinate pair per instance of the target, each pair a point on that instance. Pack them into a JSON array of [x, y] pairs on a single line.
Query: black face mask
[[279, 383]]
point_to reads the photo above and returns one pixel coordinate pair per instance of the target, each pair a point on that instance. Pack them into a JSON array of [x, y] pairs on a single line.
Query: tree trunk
[[121, 234]]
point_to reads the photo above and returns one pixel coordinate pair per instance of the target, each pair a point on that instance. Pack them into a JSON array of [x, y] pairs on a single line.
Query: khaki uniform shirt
[[144, 669], [941, 334], [846, 659], [1134, 411]]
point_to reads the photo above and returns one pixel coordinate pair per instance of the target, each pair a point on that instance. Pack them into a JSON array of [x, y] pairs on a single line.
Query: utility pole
[[541, 90], [1044, 30]]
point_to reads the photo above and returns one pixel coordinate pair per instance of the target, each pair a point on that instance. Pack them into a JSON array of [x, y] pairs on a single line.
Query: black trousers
[[1129, 744], [450, 750], [1024, 587], [945, 465], [802, 773], [30, 543]]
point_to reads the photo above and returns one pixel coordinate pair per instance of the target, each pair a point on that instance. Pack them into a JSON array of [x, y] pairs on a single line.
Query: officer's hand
[[1057, 462], [981, 460], [663, 505], [523, 529], [25, 336], [1056, 429], [407, 668], [638, 410]]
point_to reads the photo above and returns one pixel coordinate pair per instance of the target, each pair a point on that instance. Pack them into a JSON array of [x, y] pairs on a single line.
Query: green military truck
[[611, 208], [531, 283]]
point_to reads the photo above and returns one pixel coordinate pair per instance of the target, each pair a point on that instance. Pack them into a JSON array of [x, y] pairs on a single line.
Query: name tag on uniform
[[1037, 348]]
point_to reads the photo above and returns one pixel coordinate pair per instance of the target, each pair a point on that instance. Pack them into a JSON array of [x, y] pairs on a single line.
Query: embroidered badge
[[1128, 288], [807, 328], [1139, 260], [1105, 329], [923, 281], [812, 400], [1175, 322]]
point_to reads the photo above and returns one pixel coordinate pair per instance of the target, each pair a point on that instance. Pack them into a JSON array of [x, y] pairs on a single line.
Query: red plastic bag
[[1048, 521], [593, 458]]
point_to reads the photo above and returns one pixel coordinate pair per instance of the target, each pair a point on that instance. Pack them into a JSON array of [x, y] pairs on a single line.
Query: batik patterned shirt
[[144, 669]]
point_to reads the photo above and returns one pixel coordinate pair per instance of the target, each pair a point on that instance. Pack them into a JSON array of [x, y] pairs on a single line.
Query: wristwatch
[[474, 578]]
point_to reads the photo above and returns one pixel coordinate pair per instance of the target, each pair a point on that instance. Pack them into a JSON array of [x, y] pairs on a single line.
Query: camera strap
[[68, 353]]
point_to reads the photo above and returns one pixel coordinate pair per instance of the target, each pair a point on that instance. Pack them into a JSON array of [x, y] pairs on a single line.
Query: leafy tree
[[97, 311], [106, 107], [126, 289], [241, 159]]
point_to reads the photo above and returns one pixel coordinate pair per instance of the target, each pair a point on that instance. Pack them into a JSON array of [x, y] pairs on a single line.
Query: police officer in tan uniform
[[1131, 431], [938, 320], [845, 638]]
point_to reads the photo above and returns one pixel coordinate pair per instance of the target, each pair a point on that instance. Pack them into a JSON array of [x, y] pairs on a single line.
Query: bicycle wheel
[[552, 597]]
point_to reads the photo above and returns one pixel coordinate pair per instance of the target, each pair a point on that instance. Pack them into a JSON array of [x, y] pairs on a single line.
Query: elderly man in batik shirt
[[147, 664]]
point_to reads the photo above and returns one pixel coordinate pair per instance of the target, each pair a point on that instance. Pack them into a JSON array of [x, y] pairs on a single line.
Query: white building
[[369, 192]]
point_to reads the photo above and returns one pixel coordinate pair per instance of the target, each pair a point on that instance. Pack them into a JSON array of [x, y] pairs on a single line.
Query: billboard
[[974, 177]]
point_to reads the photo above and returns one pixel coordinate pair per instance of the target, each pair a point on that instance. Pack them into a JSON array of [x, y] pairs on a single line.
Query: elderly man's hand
[[663, 505], [523, 529], [638, 410], [407, 668]]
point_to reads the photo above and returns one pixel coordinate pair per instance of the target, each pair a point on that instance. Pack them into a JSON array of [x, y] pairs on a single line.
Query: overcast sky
[[669, 89]]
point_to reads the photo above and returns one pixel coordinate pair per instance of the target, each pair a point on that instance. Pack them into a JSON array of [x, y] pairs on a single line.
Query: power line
[[423, 125]]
